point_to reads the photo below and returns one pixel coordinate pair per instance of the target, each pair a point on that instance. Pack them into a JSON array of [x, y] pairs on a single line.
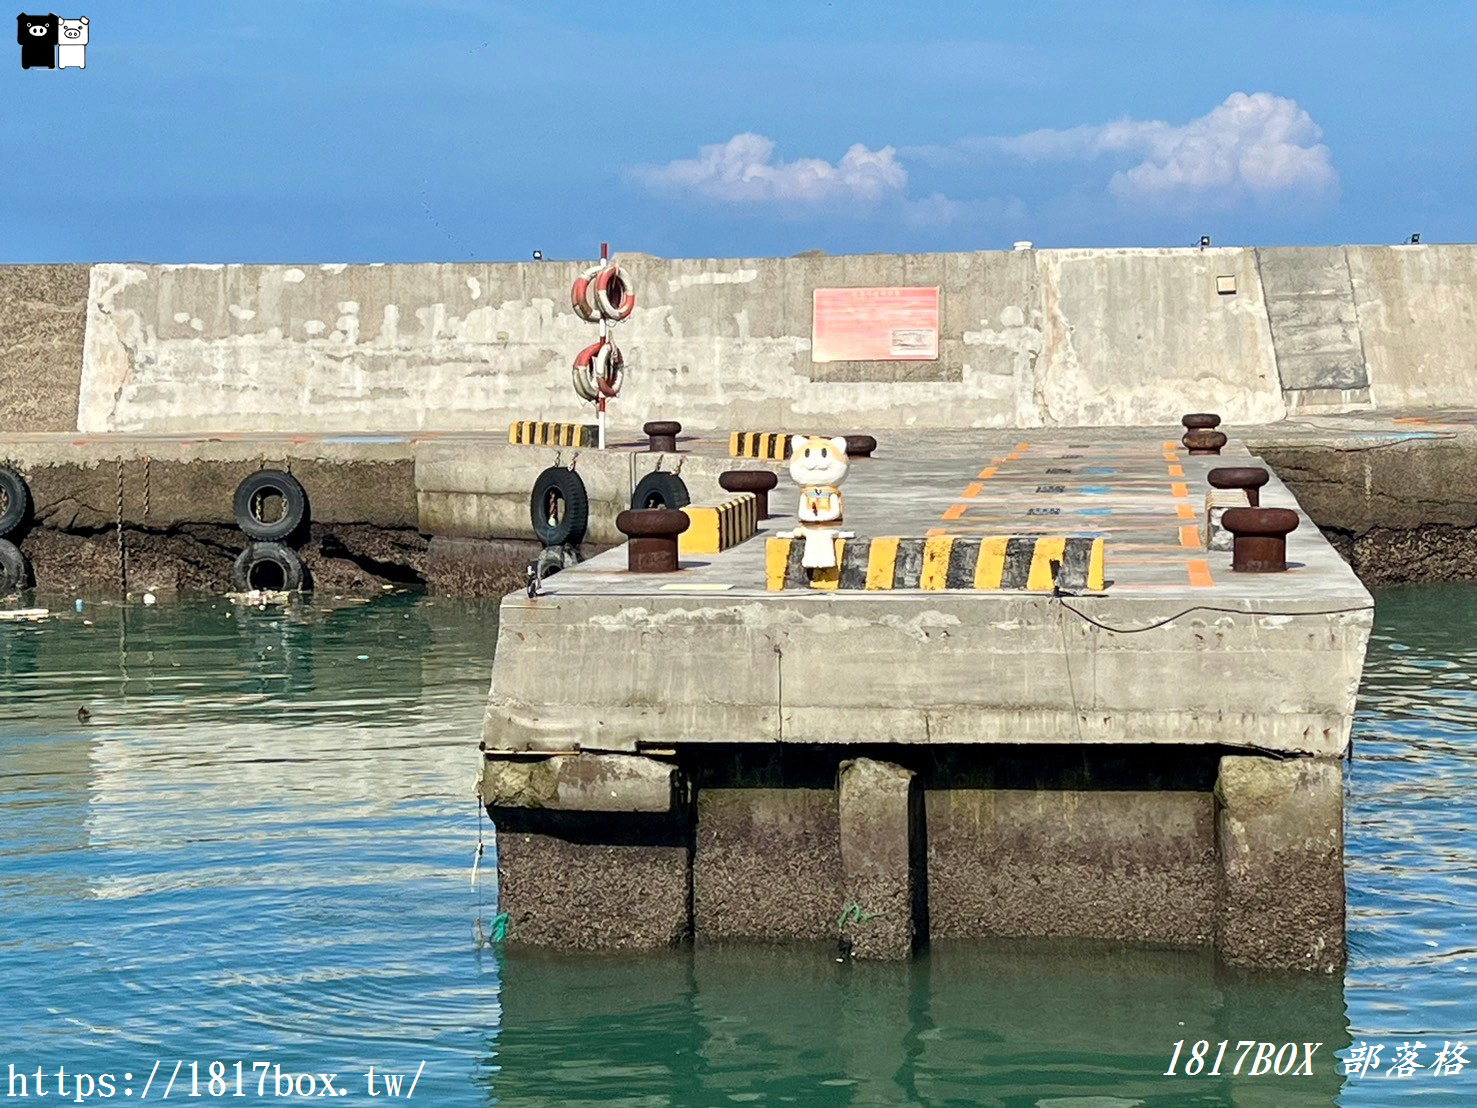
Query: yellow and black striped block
[[528, 432], [944, 562], [772, 446], [715, 527]]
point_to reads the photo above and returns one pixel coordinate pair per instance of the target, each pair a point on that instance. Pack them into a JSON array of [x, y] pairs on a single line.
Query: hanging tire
[[268, 567], [660, 490], [15, 499], [15, 568], [256, 492], [559, 507]]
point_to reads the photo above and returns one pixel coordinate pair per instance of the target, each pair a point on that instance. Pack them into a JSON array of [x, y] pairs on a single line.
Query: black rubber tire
[[15, 568], [557, 484], [246, 505], [250, 563], [660, 490], [17, 500]]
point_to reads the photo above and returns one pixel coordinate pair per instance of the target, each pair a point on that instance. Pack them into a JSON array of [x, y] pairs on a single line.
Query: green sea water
[[259, 845]]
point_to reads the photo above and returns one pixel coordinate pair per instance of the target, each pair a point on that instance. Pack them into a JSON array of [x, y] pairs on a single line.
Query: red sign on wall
[[875, 325]]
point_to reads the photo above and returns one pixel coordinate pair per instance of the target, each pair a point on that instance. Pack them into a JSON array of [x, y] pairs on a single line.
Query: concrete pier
[[1157, 760]]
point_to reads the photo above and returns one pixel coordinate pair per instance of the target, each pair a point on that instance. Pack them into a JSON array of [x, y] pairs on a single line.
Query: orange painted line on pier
[[1023, 446], [1199, 574], [954, 512], [932, 531], [973, 491], [1171, 445], [1185, 511], [1190, 536], [1179, 489], [1176, 471], [987, 473]]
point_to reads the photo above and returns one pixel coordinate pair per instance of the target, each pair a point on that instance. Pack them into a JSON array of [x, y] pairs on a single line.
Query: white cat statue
[[818, 465]]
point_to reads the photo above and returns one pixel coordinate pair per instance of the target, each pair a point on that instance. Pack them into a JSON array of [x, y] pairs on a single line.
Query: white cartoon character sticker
[[71, 51]]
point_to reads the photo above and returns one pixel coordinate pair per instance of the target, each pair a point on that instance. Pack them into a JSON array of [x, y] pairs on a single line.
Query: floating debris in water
[[259, 598], [25, 615]]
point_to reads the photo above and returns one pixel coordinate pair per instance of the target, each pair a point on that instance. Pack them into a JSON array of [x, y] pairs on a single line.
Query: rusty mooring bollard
[[756, 481], [653, 533], [1201, 436], [1259, 537], [663, 435], [1248, 478], [860, 446]]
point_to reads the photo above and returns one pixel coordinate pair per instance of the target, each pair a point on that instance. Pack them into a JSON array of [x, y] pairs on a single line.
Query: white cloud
[[1255, 144], [744, 170]]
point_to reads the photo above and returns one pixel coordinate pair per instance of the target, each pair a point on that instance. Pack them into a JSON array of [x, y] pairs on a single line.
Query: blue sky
[[450, 130]]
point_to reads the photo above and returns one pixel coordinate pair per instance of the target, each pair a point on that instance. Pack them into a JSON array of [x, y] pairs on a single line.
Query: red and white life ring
[[582, 297], [615, 299], [584, 374], [608, 370]]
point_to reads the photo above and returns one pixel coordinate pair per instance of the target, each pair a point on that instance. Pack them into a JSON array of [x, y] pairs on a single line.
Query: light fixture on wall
[[1414, 240], [538, 255], [1204, 242]]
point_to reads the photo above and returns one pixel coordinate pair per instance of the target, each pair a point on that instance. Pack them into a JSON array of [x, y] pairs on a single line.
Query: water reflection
[[1017, 1023], [1410, 855], [258, 842]]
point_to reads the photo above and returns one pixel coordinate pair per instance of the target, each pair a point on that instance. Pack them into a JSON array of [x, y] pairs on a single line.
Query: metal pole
[[604, 335]]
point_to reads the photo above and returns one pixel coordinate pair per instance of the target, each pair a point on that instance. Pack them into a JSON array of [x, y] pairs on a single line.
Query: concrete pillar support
[[767, 865], [883, 859], [1280, 841], [594, 851]]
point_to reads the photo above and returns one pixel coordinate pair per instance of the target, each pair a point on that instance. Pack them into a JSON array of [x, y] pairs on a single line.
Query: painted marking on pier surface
[[1146, 513], [530, 432], [769, 445], [1032, 563]]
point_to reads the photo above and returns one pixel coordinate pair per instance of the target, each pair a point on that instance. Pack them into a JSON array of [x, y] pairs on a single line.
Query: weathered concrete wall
[[42, 312], [1006, 672], [174, 502], [481, 490], [1175, 846], [1056, 337], [1029, 338], [1418, 321], [1315, 327], [1398, 512], [1142, 336]]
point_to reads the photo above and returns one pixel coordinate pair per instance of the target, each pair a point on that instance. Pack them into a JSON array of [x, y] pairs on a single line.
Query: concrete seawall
[[1026, 339]]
